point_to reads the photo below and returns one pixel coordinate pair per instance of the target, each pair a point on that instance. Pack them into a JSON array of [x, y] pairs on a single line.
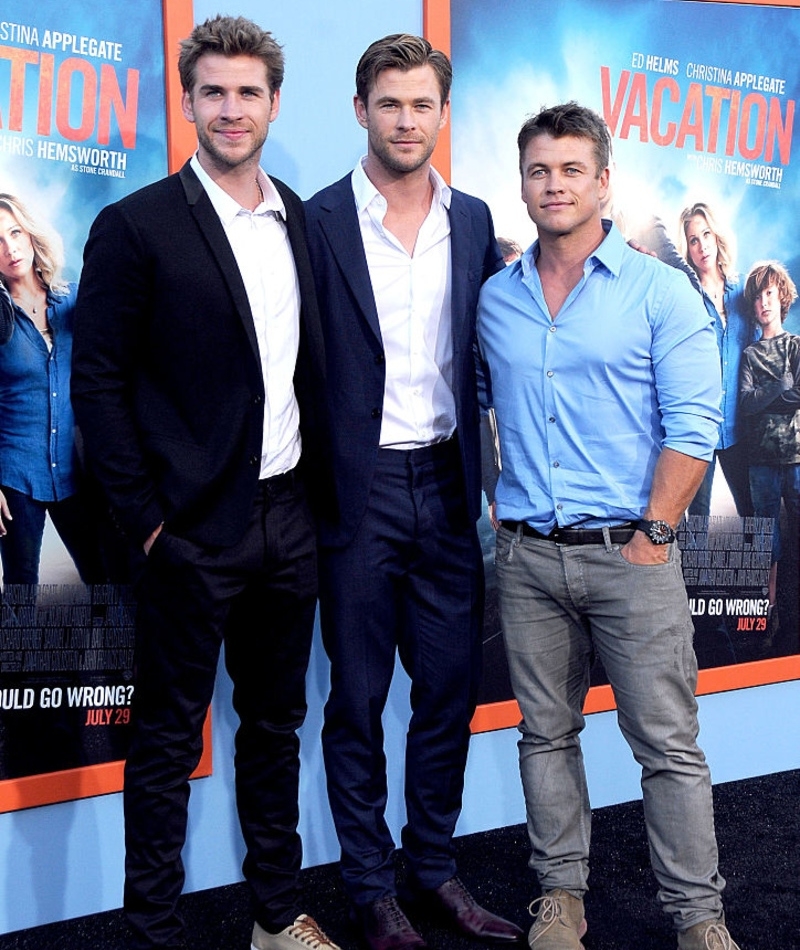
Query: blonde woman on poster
[[38, 471], [709, 253]]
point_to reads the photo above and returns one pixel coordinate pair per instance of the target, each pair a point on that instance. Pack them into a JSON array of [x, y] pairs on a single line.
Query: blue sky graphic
[[70, 200], [511, 59]]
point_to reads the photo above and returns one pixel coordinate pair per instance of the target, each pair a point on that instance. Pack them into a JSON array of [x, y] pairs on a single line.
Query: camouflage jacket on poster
[[769, 394]]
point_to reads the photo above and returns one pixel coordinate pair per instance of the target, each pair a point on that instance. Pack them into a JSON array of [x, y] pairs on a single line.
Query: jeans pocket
[[668, 565]]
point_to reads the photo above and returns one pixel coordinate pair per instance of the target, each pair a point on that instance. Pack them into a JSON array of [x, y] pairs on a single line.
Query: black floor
[[758, 827]]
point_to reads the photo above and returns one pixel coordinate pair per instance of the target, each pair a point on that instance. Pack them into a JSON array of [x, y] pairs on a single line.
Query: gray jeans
[[560, 605]]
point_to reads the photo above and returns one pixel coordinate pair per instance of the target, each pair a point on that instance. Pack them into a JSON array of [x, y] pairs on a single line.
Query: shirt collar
[[365, 192], [608, 253], [228, 208]]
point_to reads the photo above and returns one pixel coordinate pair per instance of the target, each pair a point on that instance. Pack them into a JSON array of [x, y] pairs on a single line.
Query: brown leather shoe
[[455, 903], [384, 926]]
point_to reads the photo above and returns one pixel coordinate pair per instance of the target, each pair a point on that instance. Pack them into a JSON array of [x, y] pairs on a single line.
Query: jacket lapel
[[339, 223], [461, 244], [310, 324], [220, 249]]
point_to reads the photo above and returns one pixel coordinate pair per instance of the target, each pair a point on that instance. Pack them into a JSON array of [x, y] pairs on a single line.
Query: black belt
[[277, 483], [618, 533]]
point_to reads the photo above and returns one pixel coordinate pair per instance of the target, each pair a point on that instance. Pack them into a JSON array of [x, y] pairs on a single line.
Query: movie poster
[[82, 123], [700, 99]]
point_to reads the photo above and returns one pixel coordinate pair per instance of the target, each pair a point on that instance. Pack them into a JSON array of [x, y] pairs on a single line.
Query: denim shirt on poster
[[36, 421], [732, 337]]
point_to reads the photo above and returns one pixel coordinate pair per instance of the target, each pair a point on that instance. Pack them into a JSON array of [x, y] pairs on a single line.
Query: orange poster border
[[84, 782], [88, 781], [436, 22], [506, 714], [178, 23]]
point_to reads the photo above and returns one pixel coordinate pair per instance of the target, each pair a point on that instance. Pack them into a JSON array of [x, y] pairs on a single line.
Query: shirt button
[[552, 329], [551, 419], [549, 373], [559, 507], [556, 464]]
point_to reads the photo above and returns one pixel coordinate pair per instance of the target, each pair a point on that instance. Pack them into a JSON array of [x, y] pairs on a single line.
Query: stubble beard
[[224, 160], [397, 164]]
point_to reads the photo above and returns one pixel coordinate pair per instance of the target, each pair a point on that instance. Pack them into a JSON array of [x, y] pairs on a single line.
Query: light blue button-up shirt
[[585, 402], [732, 337], [37, 444]]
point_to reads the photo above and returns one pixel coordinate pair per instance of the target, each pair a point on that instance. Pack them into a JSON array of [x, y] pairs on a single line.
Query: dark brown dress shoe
[[384, 926], [455, 903]]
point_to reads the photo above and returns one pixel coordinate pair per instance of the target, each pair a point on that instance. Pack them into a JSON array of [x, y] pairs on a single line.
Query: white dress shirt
[[260, 244], [412, 294]]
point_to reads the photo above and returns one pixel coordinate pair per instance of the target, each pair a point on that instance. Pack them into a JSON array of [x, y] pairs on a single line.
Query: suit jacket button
[[376, 413], [380, 359], [257, 400], [255, 460]]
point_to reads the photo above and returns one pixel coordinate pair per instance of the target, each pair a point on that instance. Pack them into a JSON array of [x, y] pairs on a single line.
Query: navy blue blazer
[[166, 376], [354, 349]]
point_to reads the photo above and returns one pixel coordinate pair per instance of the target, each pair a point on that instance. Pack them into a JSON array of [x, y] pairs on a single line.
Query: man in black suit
[[399, 259], [198, 356]]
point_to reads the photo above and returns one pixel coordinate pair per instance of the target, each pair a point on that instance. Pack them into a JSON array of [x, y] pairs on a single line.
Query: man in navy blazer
[[398, 260], [197, 382]]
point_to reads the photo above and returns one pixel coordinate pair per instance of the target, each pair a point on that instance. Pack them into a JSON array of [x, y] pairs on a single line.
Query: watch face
[[660, 532]]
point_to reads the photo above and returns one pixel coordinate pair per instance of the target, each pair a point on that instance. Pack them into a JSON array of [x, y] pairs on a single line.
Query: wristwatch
[[659, 532]]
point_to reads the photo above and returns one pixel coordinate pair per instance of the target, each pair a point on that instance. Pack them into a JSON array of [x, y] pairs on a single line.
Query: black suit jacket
[[166, 377], [354, 349]]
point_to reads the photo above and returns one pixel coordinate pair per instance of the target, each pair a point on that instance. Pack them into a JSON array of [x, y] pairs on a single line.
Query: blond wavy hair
[[725, 247], [48, 250]]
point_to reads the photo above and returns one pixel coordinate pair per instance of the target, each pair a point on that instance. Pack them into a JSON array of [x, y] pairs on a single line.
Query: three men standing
[[605, 381], [198, 380], [199, 361], [398, 260]]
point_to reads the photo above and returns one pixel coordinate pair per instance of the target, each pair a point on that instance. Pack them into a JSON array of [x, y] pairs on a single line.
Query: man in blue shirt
[[604, 375]]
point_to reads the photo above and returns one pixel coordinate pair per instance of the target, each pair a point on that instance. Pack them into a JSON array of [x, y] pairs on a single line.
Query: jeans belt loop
[[607, 538]]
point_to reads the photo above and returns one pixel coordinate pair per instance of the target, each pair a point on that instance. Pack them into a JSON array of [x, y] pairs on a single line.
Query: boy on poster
[[770, 402]]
